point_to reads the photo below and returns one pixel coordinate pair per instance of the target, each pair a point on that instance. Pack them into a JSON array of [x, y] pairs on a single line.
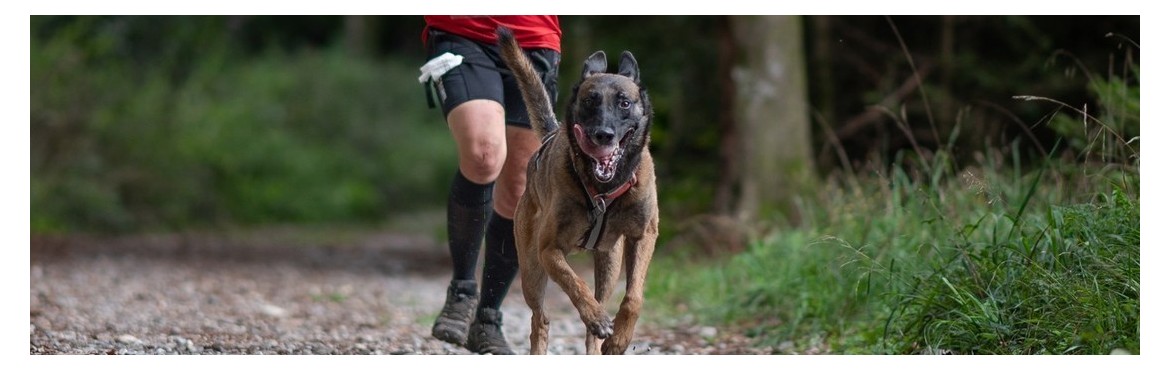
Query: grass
[[982, 263], [923, 257], [919, 256]]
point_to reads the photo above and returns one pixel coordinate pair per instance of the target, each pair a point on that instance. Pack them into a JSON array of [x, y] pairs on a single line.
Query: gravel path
[[279, 292]]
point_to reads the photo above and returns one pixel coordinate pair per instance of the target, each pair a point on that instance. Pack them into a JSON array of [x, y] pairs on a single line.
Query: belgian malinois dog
[[591, 187]]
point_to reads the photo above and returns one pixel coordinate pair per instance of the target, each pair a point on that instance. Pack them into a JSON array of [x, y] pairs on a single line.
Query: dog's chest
[[587, 228]]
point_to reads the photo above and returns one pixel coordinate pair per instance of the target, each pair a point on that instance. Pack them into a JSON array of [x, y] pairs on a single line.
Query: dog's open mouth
[[605, 157]]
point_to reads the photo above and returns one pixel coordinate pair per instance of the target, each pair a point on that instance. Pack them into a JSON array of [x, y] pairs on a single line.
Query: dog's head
[[609, 117]]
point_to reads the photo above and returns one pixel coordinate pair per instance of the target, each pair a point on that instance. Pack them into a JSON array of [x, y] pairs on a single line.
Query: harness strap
[[600, 202]]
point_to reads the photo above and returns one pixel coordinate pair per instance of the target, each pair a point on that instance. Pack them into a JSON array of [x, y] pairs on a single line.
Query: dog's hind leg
[[606, 268], [637, 261], [534, 280]]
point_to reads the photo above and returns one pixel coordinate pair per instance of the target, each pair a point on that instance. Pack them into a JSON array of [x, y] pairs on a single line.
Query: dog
[[590, 187]]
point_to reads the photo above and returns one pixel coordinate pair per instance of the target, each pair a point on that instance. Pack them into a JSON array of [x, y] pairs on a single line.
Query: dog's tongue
[[605, 158]]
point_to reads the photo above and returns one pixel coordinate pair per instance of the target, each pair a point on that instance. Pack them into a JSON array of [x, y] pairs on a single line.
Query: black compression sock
[[500, 264], [468, 205]]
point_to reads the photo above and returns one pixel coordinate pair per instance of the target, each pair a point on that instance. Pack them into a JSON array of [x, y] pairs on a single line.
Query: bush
[[125, 143]]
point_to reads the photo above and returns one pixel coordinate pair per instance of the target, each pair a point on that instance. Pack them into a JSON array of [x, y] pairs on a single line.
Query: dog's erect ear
[[594, 64], [629, 66]]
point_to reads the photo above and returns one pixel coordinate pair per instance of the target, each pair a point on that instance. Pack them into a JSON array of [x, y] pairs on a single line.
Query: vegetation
[[987, 263], [991, 258], [980, 188], [172, 141]]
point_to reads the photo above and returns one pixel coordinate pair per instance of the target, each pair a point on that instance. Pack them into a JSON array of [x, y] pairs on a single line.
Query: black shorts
[[483, 75]]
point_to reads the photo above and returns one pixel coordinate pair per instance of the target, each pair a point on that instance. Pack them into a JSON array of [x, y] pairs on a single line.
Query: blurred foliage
[[164, 122], [970, 69], [147, 122]]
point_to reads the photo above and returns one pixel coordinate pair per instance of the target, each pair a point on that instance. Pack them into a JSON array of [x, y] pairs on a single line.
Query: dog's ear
[[629, 66], [594, 64]]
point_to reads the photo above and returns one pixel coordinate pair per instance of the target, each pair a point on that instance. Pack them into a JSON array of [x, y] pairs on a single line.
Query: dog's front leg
[[637, 260], [606, 268], [593, 315]]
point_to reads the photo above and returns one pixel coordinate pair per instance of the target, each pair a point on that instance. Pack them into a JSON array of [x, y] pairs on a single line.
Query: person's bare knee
[[478, 129], [482, 160]]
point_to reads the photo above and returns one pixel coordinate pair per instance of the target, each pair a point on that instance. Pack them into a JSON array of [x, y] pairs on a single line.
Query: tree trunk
[[946, 70], [823, 54], [771, 108], [357, 34], [729, 161]]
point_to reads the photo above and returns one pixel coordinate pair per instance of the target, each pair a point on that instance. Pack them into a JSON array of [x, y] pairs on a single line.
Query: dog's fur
[[553, 216]]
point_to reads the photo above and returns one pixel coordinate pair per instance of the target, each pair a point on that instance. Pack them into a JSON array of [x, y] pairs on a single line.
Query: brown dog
[[591, 186]]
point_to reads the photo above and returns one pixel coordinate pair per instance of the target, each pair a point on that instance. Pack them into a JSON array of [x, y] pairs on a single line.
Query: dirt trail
[[278, 292]]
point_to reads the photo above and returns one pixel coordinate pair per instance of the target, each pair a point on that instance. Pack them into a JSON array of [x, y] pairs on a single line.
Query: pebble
[[191, 347], [273, 311], [639, 347], [708, 332], [200, 307], [128, 339], [786, 347]]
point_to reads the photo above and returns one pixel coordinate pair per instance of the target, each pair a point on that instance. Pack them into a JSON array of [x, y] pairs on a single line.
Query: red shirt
[[532, 31]]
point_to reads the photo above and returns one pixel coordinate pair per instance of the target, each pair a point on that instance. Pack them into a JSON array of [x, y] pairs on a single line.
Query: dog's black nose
[[603, 135]]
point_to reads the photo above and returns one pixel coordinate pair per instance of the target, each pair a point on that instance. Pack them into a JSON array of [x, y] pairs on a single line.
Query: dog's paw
[[611, 347], [601, 328]]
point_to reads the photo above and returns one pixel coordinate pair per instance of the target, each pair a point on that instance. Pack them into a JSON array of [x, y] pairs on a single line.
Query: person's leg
[[500, 263], [472, 100], [501, 244], [478, 129]]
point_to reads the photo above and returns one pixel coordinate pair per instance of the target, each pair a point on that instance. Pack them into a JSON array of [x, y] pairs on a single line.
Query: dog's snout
[[603, 135]]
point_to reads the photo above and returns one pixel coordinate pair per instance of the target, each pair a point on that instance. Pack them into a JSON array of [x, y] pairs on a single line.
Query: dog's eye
[[624, 104]]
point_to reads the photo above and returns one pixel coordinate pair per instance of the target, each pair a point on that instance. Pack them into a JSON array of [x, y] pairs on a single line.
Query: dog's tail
[[540, 110]]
